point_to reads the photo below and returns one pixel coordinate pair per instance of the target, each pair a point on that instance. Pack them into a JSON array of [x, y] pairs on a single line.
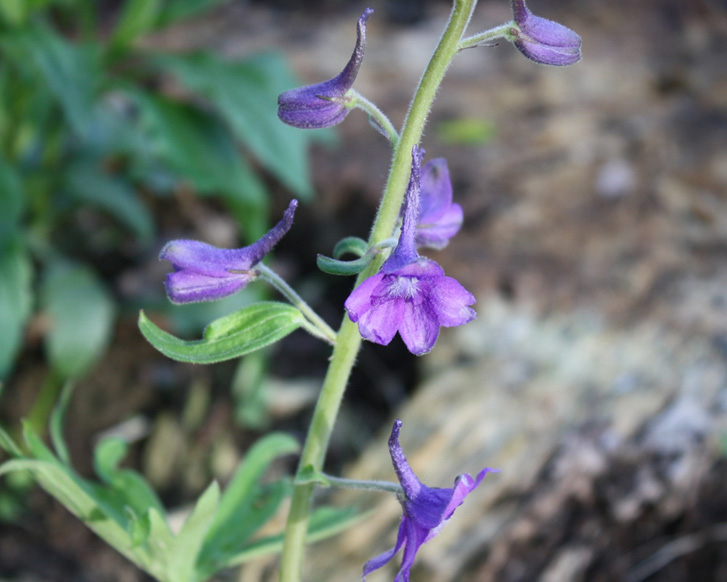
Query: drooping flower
[[439, 218], [410, 294], [426, 509], [205, 273], [542, 40], [325, 104]]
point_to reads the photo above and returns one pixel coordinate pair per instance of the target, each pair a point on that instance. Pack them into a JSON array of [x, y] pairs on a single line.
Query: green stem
[[326, 480], [349, 339], [502, 31], [378, 117], [325, 331]]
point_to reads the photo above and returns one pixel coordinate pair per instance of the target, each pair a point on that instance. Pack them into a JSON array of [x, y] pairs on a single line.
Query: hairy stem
[[349, 339]]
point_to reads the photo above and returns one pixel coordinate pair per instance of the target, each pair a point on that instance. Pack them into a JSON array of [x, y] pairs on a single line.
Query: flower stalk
[[349, 340]]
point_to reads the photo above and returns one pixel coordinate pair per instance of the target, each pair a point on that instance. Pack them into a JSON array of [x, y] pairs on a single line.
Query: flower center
[[406, 287]]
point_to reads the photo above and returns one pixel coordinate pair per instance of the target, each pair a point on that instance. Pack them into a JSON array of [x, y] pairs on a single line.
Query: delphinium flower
[[325, 104], [205, 273], [410, 294], [439, 218], [542, 40], [426, 509]]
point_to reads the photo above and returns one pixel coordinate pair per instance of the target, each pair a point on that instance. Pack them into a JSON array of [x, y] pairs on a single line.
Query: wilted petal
[[191, 287], [324, 104], [426, 509], [542, 40], [435, 233], [439, 219]]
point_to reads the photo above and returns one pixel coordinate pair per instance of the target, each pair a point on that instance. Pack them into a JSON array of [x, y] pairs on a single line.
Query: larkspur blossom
[[425, 509], [410, 294], [439, 218], [205, 273], [325, 104], [542, 40]]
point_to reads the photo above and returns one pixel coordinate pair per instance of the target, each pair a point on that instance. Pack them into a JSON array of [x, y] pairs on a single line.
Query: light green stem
[[325, 331], [326, 480], [502, 31], [382, 122], [349, 339]]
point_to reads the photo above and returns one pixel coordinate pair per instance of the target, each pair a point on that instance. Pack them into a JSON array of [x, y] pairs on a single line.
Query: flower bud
[[542, 40], [325, 104]]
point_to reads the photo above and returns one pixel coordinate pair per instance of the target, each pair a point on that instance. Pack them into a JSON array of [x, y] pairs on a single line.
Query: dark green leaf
[[72, 72], [251, 328], [246, 93], [12, 199], [81, 318], [15, 299], [137, 18], [86, 183], [196, 145], [180, 9]]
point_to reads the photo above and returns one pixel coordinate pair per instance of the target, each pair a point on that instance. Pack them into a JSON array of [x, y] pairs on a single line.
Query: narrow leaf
[[350, 244], [251, 328], [15, 299], [335, 267], [137, 18]]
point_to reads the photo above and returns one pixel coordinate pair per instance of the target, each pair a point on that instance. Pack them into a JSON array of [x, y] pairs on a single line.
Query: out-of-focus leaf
[[13, 12], [179, 9], [246, 94], [72, 72], [190, 539], [251, 328], [86, 183], [466, 131], [12, 201], [56, 423], [15, 298], [197, 147], [246, 505], [81, 318], [137, 18], [325, 522]]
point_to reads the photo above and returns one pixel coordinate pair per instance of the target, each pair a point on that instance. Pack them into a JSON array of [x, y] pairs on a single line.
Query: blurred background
[[595, 234]]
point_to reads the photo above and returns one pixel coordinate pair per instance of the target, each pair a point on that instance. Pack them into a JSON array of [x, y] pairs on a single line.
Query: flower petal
[[190, 287], [360, 299], [436, 233], [380, 323], [419, 328], [436, 190], [383, 559], [449, 300], [463, 486], [415, 537]]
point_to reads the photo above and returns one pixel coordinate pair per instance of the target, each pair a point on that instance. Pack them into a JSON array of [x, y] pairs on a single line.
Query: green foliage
[[246, 330], [121, 508], [82, 126]]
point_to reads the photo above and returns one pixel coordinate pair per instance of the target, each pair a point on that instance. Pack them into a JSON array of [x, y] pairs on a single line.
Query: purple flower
[[410, 294], [206, 273], [439, 218], [425, 509], [541, 40], [325, 104]]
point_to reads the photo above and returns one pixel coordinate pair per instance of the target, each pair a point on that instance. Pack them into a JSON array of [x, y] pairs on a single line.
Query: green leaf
[[251, 328], [325, 522], [188, 543], [179, 9], [15, 299], [334, 267], [81, 318], [137, 18], [245, 93], [72, 72], [466, 131], [197, 146], [107, 455], [350, 244], [56, 423], [12, 199], [86, 183]]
